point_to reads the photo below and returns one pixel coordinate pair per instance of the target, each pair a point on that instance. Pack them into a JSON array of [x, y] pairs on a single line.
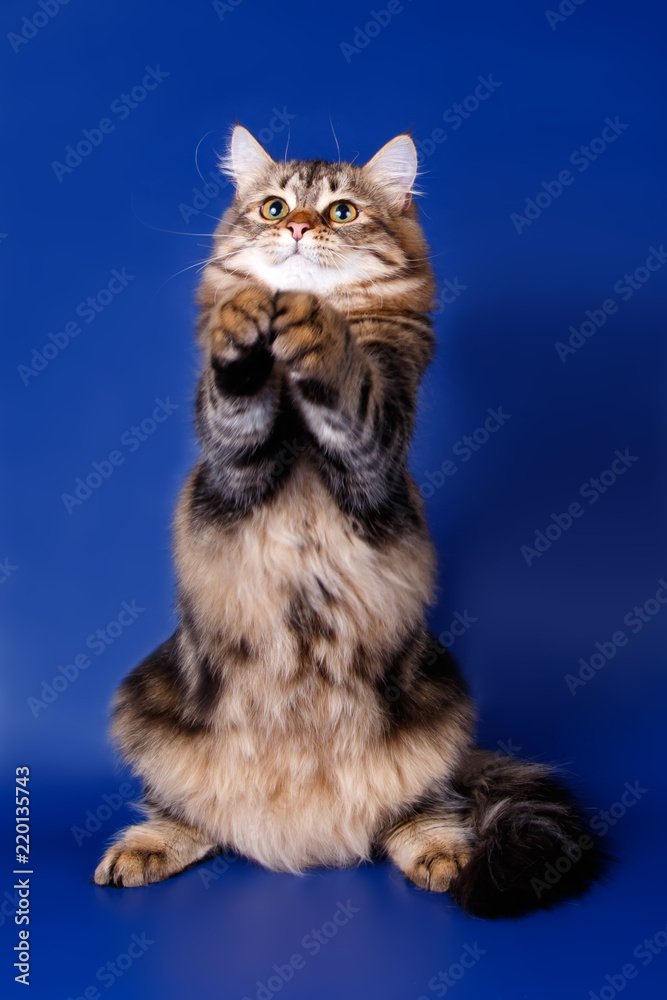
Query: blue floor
[[545, 209]]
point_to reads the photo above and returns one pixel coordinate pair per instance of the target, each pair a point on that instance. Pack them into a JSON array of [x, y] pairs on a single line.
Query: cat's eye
[[274, 209], [343, 211]]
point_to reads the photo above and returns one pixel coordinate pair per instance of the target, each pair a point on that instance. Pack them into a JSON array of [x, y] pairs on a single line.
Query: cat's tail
[[531, 846]]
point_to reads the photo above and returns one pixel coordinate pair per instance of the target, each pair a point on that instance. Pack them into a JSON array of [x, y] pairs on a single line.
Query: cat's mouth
[[303, 267], [299, 253]]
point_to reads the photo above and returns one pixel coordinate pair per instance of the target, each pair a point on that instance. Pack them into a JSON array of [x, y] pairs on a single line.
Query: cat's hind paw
[[151, 852], [435, 870], [125, 868]]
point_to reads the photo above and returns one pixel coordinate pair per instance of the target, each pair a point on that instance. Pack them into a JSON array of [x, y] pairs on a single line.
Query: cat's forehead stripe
[[312, 174], [311, 169]]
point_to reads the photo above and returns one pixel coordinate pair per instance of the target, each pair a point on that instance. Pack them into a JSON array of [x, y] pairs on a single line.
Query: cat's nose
[[297, 229]]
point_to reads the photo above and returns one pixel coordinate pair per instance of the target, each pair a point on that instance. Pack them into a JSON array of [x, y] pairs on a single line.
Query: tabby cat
[[302, 714]]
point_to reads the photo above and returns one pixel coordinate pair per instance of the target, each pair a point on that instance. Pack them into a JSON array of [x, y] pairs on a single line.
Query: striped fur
[[302, 714]]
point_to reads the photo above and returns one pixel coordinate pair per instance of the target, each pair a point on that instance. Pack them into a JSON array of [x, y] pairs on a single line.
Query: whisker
[[197, 263], [335, 137], [216, 218], [233, 225], [366, 278], [172, 232], [158, 229], [357, 246], [224, 256], [197, 151]]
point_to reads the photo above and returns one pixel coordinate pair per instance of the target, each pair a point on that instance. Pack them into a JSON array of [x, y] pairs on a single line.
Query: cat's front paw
[[308, 335], [237, 326]]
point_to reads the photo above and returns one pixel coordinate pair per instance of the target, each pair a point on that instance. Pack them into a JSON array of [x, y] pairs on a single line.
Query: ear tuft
[[245, 157], [394, 169]]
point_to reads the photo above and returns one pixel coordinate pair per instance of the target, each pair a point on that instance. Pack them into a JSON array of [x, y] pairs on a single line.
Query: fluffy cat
[[302, 714]]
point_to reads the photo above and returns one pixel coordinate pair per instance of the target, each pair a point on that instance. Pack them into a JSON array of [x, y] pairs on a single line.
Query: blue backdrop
[[540, 450]]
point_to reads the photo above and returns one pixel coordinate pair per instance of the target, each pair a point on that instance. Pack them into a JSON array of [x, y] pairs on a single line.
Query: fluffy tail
[[531, 846]]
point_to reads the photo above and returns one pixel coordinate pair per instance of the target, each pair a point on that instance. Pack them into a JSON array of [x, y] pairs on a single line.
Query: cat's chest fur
[[293, 584]]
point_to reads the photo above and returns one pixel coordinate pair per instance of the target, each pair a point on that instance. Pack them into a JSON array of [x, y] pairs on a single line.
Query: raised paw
[[238, 324], [307, 334], [434, 870]]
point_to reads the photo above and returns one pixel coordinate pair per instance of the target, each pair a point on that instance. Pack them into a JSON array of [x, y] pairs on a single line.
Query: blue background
[[127, 205]]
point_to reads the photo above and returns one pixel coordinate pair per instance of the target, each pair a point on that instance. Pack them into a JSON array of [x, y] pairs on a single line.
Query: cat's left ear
[[245, 159], [394, 169]]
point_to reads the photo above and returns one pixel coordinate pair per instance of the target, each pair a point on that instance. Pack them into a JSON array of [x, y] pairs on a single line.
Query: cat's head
[[327, 228]]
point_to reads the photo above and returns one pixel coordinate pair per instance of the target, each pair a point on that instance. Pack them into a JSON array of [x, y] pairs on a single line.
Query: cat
[[302, 714]]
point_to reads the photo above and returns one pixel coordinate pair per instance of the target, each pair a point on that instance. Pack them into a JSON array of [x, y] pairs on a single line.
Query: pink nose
[[298, 229]]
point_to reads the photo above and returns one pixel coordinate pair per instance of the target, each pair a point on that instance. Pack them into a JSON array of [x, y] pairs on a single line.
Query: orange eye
[[274, 209], [343, 211]]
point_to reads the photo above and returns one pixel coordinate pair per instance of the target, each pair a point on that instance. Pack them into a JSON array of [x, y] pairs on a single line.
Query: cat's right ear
[[394, 169], [245, 159]]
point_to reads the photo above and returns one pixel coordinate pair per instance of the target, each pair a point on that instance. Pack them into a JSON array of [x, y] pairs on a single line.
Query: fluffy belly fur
[[290, 802], [295, 759]]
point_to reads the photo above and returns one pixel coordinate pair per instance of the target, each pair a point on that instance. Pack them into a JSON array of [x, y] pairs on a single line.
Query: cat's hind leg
[[151, 852], [431, 845]]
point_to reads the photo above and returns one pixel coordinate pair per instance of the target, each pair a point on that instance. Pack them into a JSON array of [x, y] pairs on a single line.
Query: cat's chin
[[298, 273]]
